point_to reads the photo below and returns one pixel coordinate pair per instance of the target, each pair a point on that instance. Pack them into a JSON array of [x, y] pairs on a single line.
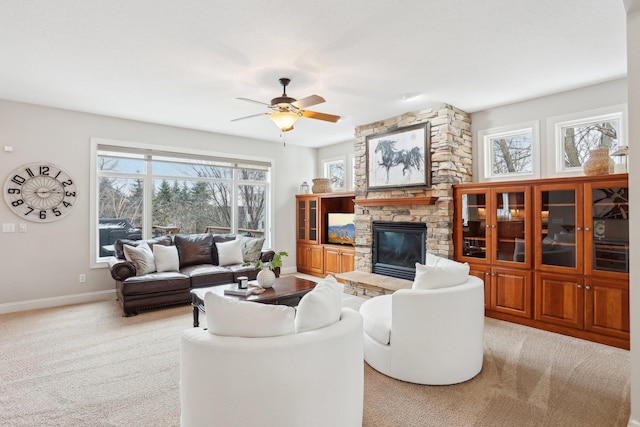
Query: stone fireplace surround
[[451, 163]]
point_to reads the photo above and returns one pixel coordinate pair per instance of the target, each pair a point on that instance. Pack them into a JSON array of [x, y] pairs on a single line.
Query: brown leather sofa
[[198, 258]]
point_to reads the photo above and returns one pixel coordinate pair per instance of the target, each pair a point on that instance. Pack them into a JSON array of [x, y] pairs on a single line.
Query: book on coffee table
[[240, 292]]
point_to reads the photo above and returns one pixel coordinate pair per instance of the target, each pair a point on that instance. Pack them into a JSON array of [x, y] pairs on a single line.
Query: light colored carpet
[[86, 365]]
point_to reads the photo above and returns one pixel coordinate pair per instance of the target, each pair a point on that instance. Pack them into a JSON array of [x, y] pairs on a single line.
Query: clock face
[[40, 192]]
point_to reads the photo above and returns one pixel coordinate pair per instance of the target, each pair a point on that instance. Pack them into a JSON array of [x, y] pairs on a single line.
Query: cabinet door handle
[[579, 286], [588, 287], [587, 229], [493, 226], [578, 228], [487, 226]]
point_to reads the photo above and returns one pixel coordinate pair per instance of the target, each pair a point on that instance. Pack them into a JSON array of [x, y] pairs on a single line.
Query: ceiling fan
[[285, 111]]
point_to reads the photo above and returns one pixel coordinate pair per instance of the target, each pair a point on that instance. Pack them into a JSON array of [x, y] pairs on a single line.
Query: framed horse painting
[[399, 158]]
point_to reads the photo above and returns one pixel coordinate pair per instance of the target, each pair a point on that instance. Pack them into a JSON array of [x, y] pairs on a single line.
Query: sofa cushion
[[155, 283], [443, 275], [376, 318], [220, 238], [321, 307], [203, 275], [229, 253], [194, 248], [118, 246], [251, 248], [166, 258], [141, 257], [234, 318]]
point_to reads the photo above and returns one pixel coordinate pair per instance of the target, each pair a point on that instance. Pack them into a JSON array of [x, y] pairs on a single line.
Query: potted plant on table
[[266, 277]]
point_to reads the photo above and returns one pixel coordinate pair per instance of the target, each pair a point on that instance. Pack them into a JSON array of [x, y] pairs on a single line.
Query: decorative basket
[[321, 185]]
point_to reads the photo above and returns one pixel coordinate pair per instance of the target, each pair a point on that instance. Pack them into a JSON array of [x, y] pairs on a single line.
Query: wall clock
[[40, 192]]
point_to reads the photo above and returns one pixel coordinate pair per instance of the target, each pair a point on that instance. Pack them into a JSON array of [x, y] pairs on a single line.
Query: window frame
[[485, 151], [558, 123], [98, 262], [327, 163]]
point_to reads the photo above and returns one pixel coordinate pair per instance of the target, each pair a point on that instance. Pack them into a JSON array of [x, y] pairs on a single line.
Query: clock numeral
[[43, 214], [67, 183], [29, 211], [59, 172], [29, 172], [17, 179], [13, 190], [17, 202], [66, 204], [44, 170], [56, 212], [70, 194]]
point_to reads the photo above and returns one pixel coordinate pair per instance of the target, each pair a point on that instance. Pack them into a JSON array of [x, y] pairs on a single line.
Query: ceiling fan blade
[[254, 101], [320, 116], [308, 101], [249, 117]]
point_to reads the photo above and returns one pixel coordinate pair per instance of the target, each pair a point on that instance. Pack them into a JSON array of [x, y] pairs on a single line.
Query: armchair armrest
[[121, 269]]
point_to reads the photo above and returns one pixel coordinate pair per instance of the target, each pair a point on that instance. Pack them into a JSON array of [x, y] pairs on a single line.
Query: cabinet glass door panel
[[313, 220], [474, 220], [510, 226], [610, 229], [559, 225], [302, 220]]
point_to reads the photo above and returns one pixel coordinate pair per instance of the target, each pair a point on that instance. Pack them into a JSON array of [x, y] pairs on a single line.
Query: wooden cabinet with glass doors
[[311, 234], [492, 235], [576, 253]]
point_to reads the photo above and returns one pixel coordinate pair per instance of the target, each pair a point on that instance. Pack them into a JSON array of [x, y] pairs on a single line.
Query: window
[[509, 152], [573, 135], [147, 193], [575, 138], [335, 171]]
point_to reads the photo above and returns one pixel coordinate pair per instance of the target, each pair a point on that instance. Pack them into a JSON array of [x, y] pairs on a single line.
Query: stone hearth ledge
[[371, 284]]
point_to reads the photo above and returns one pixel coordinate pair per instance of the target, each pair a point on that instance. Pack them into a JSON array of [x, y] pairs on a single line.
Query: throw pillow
[[251, 248], [440, 276], [321, 307], [234, 318], [141, 257], [166, 258], [229, 253]]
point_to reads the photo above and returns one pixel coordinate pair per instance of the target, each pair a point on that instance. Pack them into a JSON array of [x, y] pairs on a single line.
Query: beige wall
[[633, 76], [41, 267]]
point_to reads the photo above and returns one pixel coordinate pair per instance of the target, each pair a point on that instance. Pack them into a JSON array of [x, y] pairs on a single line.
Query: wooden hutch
[[313, 254], [554, 253]]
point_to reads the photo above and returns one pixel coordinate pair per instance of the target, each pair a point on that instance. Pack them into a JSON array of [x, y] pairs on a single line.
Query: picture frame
[[399, 159]]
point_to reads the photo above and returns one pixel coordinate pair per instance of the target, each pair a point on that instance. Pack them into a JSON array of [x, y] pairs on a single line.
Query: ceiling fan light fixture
[[284, 119]]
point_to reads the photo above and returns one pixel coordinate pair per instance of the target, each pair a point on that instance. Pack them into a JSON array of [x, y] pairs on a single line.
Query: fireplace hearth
[[397, 246]]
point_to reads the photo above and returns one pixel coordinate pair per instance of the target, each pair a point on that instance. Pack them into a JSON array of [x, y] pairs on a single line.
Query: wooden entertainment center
[[554, 253], [314, 255]]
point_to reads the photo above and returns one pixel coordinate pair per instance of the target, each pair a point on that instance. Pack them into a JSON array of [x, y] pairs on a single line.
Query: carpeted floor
[[86, 365]]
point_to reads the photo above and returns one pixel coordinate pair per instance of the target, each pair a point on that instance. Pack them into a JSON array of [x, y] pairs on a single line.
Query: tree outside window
[[581, 136], [509, 152]]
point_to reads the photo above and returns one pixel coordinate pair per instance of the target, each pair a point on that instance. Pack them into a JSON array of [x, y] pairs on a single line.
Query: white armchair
[[432, 336], [313, 378]]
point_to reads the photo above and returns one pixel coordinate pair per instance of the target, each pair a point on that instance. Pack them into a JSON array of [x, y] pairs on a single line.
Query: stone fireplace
[[451, 163]]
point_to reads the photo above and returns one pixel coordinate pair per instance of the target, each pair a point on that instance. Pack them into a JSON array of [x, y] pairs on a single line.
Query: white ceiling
[[184, 62]]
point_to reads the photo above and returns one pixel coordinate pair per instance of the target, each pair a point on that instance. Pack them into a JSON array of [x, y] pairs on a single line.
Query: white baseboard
[[33, 304], [288, 270]]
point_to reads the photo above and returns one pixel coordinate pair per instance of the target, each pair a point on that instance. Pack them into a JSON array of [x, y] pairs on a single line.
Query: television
[[341, 229]]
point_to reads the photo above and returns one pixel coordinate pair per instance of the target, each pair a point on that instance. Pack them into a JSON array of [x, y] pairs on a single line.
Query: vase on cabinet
[[598, 163]]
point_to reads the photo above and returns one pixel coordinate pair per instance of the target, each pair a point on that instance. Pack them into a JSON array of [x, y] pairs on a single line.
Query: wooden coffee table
[[287, 290]]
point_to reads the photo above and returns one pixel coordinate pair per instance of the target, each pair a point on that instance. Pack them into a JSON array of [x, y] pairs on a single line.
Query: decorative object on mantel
[[393, 201], [598, 163], [321, 185], [622, 151], [304, 188], [400, 158], [266, 277]]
